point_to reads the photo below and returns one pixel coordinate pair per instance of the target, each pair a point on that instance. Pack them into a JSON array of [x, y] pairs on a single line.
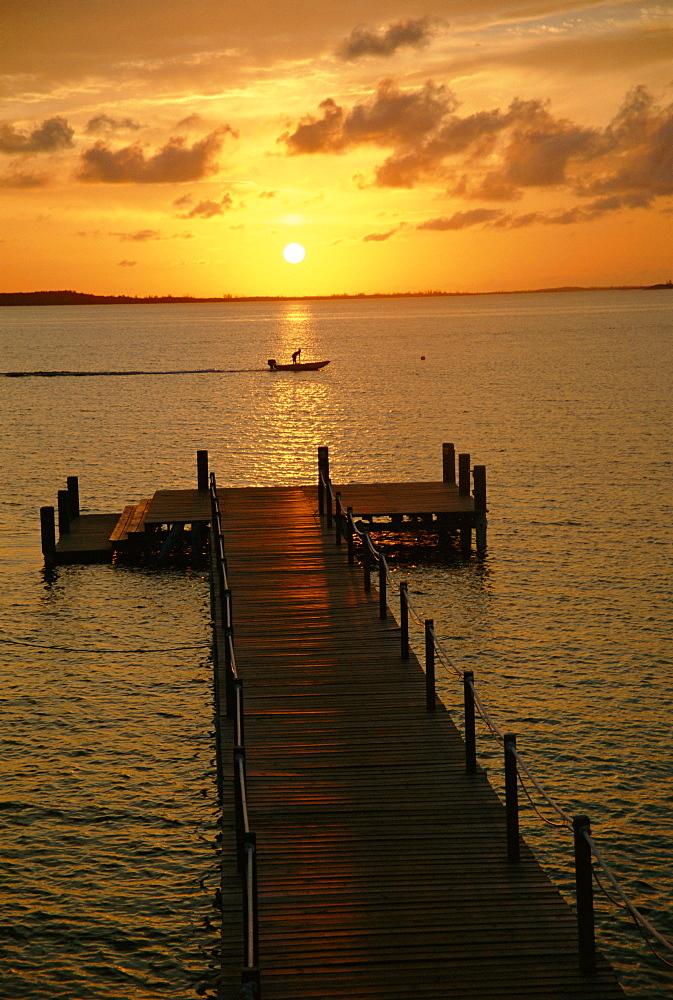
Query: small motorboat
[[296, 366]]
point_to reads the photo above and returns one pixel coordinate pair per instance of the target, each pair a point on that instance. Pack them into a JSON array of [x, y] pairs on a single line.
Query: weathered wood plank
[[382, 865]]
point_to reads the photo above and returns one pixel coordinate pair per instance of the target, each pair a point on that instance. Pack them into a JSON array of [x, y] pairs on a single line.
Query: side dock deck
[[382, 866]]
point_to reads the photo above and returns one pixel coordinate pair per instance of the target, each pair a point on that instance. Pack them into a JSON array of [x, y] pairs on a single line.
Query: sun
[[294, 253]]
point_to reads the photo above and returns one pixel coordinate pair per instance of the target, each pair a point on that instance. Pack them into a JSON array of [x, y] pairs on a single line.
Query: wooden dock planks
[[88, 540], [382, 866]]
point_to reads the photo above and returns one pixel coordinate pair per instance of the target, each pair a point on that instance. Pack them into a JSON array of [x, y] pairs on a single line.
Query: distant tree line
[[70, 298]]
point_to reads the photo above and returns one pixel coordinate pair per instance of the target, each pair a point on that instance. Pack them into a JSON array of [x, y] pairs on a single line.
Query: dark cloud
[[208, 209], [51, 135], [175, 163], [390, 118], [497, 155], [104, 123], [365, 42], [461, 220], [127, 263]]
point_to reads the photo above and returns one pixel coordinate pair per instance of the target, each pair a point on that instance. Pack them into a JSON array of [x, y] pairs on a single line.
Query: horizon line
[[70, 297]]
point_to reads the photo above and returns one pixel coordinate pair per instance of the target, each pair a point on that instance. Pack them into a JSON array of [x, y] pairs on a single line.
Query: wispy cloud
[[208, 209], [104, 123], [379, 237], [385, 42]]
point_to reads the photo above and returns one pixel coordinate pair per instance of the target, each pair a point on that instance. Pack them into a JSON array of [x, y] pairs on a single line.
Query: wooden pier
[[446, 507], [381, 866]]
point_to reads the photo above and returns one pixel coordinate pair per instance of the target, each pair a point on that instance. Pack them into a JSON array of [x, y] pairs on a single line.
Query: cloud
[[365, 42], [127, 263], [191, 121], [497, 155], [391, 117], [141, 236], [379, 237], [51, 135], [208, 209], [461, 220], [175, 163], [104, 123], [23, 180]]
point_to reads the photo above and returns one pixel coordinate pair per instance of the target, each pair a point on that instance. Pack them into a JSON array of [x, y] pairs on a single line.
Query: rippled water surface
[[108, 808]]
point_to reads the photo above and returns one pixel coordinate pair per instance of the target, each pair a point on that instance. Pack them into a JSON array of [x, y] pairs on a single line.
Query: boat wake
[[179, 371]]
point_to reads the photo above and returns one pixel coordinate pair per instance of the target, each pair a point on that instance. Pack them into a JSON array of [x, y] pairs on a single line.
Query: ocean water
[[108, 807]]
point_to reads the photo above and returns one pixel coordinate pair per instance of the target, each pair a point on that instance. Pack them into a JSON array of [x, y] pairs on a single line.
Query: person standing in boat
[[296, 356]]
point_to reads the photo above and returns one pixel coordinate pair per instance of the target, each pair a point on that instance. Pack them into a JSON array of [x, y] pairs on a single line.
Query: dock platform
[[382, 865]]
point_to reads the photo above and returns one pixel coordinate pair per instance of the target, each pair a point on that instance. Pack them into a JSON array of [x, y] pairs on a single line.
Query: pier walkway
[[382, 866]]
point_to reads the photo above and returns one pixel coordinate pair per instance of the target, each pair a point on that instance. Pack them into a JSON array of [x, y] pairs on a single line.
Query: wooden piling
[[48, 535], [448, 463], [464, 475], [511, 799], [585, 896], [323, 476], [202, 470], [63, 512], [73, 494]]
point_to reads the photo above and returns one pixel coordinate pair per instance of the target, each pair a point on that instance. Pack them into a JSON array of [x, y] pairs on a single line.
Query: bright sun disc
[[293, 253]]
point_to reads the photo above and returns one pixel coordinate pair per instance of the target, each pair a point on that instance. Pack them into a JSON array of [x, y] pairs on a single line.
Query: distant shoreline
[[70, 298]]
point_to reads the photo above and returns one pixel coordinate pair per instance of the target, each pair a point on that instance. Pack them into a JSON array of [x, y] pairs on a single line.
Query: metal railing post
[[511, 799], [250, 972], [328, 498], [585, 896], [239, 785], [404, 620], [470, 730], [383, 602], [367, 564], [338, 518], [429, 665], [349, 536]]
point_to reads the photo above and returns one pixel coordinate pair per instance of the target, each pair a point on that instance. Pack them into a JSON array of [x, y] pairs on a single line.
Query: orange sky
[[176, 148]]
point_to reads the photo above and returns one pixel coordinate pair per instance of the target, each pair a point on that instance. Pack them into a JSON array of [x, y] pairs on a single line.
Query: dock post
[[448, 463], [479, 473], [429, 665], [464, 491], [73, 493], [585, 896], [464, 475], [470, 731], [404, 619], [202, 470], [323, 476], [63, 512], [48, 535], [511, 799]]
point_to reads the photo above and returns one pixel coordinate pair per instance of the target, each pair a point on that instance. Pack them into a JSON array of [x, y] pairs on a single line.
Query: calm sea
[[108, 809]]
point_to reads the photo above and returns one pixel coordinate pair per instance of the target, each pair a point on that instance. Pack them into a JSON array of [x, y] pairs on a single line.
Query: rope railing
[[515, 766], [246, 840]]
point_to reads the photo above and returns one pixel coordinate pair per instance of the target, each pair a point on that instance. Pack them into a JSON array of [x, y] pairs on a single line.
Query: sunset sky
[[177, 147]]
